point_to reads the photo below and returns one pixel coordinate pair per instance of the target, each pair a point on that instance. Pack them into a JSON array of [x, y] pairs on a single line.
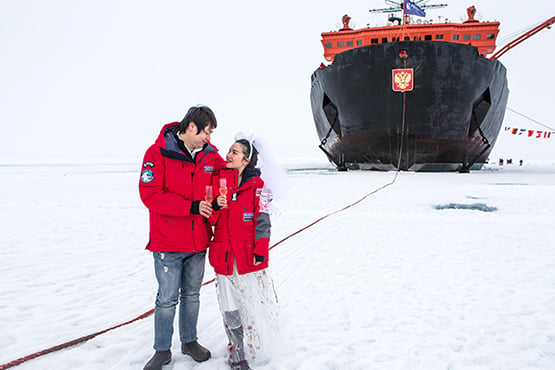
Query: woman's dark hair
[[247, 152], [201, 116]]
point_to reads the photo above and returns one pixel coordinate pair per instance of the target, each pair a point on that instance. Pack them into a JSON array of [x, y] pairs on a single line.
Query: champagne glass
[[208, 196], [223, 187]]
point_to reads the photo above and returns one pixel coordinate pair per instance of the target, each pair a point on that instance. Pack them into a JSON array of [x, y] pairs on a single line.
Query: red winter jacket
[[170, 182], [243, 228]]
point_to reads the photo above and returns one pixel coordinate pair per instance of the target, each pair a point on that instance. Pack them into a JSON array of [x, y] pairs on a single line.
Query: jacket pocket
[[247, 214], [249, 253], [214, 251], [202, 232], [171, 230]]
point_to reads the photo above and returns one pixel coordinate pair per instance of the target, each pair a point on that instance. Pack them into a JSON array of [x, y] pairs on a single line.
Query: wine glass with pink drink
[[223, 187], [208, 195]]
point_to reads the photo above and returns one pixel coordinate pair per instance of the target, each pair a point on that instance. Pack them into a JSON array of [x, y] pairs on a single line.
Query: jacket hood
[[249, 173]]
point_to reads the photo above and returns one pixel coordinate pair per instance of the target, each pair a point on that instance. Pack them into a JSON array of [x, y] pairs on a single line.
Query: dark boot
[[159, 359], [241, 365], [196, 351]]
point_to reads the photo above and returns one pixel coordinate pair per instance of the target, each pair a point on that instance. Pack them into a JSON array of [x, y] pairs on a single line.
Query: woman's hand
[[222, 201]]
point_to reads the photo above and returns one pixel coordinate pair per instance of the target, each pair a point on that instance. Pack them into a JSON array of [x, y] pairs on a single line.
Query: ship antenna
[[399, 6]]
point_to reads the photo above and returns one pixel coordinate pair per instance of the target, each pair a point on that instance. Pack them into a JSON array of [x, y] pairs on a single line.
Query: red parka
[[242, 229], [170, 182]]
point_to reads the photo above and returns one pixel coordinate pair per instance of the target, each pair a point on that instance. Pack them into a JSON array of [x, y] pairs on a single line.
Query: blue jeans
[[177, 272]]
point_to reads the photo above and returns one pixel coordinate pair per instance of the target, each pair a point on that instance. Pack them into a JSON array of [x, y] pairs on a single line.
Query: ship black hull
[[452, 117]]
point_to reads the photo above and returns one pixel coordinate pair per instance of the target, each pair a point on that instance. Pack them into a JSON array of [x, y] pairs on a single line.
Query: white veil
[[275, 178]]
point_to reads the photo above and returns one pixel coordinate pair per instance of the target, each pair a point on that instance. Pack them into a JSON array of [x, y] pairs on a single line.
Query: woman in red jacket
[[239, 255]]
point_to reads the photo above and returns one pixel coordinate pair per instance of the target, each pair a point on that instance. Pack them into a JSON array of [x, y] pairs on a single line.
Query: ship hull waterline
[[452, 117]]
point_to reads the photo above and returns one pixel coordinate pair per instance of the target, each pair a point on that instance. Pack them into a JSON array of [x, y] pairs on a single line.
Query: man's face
[[198, 140]]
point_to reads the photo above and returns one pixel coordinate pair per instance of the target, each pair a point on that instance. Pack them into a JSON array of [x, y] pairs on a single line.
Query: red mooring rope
[[334, 212], [21, 360], [58, 347]]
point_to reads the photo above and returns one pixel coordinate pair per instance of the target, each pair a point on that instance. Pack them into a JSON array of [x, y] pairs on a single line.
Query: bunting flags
[[536, 134], [413, 9]]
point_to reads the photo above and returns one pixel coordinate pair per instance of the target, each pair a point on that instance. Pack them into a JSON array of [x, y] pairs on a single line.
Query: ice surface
[[390, 283]]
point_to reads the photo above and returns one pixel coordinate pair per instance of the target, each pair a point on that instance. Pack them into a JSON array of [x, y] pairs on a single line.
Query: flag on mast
[[413, 9]]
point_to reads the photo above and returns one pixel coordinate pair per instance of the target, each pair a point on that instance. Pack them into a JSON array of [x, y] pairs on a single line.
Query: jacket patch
[[148, 164], [248, 216], [147, 176], [208, 169], [234, 197], [258, 192]]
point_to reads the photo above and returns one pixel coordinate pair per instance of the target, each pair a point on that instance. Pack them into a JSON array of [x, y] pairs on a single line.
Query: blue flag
[[413, 9]]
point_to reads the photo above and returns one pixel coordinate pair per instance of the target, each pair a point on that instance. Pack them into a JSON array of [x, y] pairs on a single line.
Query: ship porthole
[[403, 54]]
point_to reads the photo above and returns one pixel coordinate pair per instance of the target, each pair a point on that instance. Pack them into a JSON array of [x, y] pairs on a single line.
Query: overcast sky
[[97, 79]]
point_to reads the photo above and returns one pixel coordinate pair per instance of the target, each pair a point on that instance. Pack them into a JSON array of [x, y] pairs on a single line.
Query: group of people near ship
[[179, 174]]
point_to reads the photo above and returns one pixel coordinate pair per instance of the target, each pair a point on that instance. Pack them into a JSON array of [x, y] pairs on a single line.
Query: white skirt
[[249, 302]]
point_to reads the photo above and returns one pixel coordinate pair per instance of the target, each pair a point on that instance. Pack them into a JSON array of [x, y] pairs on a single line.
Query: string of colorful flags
[[535, 134]]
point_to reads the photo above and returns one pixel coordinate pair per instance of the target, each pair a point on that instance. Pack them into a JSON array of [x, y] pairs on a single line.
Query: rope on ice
[[85, 338]]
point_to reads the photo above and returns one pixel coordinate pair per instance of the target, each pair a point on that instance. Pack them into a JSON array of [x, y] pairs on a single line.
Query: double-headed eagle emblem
[[403, 79]]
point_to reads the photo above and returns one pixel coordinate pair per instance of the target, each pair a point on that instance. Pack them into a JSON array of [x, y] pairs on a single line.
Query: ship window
[[455, 37], [428, 37], [476, 37], [328, 45], [384, 40], [374, 41], [349, 43], [359, 42], [417, 38], [491, 36], [407, 38], [340, 44], [439, 37], [394, 39], [466, 37]]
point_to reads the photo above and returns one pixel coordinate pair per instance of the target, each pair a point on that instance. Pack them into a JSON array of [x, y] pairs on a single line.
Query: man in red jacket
[[176, 170]]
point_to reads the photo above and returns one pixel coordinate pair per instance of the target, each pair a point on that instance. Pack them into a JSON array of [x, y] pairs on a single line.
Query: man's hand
[[205, 209]]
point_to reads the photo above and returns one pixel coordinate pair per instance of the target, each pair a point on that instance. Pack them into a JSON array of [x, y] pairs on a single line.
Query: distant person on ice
[[175, 172], [239, 253]]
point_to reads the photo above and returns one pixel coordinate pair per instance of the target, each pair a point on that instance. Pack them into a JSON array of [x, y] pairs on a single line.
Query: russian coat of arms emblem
[[402, 79]]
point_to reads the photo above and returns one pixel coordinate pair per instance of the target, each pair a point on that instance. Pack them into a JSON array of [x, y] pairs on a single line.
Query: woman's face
[[235, 158]]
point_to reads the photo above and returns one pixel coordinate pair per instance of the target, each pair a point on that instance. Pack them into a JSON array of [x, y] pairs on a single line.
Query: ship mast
[[399, 6]]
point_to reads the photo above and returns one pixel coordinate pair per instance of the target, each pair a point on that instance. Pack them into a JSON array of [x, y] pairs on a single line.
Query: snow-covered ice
[[436, 271]]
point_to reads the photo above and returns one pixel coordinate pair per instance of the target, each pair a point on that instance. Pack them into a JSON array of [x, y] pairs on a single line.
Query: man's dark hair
[[201, 116], [247, 147]]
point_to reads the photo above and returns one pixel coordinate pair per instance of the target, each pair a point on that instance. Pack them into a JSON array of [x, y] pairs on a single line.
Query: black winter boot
[[241, 365], [159, 359], [196, 351]]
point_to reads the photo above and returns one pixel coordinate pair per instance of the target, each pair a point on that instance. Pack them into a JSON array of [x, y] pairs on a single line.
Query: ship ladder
[[466, 166], [340, 163]]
